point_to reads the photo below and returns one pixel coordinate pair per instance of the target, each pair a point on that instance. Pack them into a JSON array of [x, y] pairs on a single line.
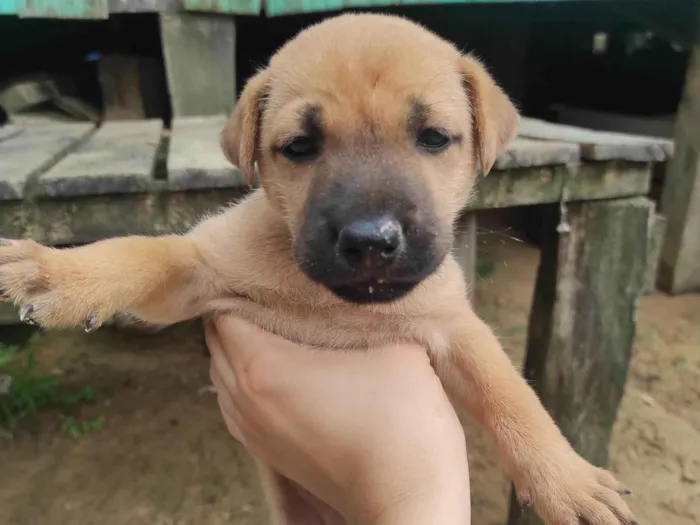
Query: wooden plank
[[8, 7], [600, 145], [237, 7], [25, 151], [144, 6], [77, 220], [590, 180], [582, 325], [62, 9], [195, 159], [524, 153], [204, 44], [657, 233], [288, 7], [679, 269], [119, 158]]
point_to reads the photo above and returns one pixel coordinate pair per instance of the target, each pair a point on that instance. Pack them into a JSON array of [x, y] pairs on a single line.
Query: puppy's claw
[[25, 314], [624, 491], [92, 323]]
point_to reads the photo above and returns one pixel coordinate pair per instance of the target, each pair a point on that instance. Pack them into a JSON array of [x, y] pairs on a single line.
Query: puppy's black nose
[[370, 244]]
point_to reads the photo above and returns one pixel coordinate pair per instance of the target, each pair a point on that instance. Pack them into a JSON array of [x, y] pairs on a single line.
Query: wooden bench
[[75, 183]]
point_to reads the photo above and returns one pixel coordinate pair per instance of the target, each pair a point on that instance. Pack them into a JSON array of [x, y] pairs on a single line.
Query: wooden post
[[679, 269], [200, 63], [465, 249], [582, 324]]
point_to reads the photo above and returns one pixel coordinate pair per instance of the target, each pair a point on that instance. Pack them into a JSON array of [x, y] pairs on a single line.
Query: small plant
[[24, 392], [76, 428]]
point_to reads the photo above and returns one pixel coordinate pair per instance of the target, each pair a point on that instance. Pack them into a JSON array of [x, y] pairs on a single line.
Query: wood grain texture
[[200, 63], [582, 325], [524, 153], [238, 7], [600, 145], [542, 185], [63, 9], [118, 158], [195, 159], [26, 151], [679, 270], [657, 233]]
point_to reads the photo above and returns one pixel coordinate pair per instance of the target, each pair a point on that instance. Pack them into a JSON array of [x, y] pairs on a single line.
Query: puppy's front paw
[[51, 287], [571, 491]]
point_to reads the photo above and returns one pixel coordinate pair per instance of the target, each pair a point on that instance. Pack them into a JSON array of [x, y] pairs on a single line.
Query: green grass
[[25, 391]]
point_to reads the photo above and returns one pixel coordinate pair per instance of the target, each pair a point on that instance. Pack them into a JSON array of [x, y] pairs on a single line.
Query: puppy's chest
[[341, 326]]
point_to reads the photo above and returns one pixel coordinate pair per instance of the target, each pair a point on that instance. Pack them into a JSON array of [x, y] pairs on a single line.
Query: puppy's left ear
[[495, 119], [240, 138]]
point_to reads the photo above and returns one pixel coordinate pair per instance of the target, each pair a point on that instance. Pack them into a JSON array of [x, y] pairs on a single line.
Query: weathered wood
[[62, 9], [465, 249], [600, 145], [74, 219], [582, 325], [679, 269], [657, 232], [200, 63], [120, 83], [26, 151], [234, 7], [79, 220], [590, 180], [525, 153], [144, 6], [118, 158], [195, 159]]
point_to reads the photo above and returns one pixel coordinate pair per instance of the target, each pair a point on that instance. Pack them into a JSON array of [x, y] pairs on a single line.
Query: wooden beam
[[200, 63], [679, 269], [582, 325]]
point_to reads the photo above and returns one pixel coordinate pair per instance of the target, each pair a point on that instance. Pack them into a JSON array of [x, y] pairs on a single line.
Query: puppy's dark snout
[[370, 244]]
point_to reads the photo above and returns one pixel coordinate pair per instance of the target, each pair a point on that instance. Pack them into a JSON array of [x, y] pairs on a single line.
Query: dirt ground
[[163, 456]]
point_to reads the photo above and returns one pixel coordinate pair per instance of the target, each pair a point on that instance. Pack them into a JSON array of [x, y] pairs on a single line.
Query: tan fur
[[358, 68]]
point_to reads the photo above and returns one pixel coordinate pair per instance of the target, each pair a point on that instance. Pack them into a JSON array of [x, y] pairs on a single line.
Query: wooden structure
[[679, 269]]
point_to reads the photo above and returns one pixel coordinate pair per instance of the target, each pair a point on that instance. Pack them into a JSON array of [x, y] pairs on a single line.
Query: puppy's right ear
[[240, 138]]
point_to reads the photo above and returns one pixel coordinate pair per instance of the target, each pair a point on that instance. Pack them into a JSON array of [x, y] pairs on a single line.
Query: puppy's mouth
[[374, 291]]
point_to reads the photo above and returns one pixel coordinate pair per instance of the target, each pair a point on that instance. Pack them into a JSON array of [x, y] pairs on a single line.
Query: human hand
[[372, 434]]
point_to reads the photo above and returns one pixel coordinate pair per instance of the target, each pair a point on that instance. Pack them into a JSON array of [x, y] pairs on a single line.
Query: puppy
[[367, 132]]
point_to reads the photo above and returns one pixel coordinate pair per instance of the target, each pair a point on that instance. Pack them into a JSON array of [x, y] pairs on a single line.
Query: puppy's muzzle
[[370, 247]]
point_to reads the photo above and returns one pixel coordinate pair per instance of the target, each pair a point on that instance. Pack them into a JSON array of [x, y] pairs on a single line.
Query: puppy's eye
[[433, 140], [301, 149]]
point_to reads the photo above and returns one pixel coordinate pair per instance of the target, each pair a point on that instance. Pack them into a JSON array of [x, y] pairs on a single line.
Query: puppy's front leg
[[547, 473], [60, 288]]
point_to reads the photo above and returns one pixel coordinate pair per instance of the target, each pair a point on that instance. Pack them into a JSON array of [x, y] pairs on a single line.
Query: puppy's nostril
[[370, 244]]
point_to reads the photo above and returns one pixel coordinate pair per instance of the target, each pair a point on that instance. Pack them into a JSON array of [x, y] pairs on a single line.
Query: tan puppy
[[367, 132]]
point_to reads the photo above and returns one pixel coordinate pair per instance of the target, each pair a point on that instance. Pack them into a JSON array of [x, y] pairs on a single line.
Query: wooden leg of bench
[[465, 249], [679, 269], [200, 63], [582, 324]]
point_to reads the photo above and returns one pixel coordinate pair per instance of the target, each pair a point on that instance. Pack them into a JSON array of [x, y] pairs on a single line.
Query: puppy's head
[[367, 131]]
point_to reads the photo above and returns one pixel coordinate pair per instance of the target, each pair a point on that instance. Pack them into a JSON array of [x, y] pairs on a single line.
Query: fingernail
[[5, 242]]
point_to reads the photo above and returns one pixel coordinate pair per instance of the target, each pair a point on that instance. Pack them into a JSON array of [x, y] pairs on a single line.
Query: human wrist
[[446, 503]]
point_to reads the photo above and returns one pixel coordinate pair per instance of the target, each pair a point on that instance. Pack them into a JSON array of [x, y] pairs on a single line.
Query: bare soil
[[163, 456]]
